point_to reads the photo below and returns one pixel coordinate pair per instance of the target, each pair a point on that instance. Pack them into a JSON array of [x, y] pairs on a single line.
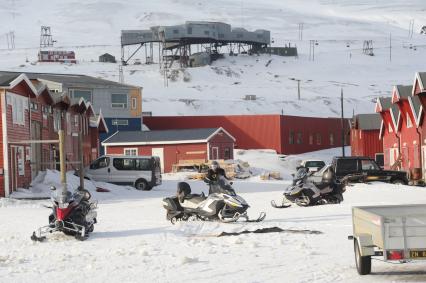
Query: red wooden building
[[409, 137], [419, 95], [173, 146], [29, 111], [285, 134], [57, 56], [365, 135], [388, 134]]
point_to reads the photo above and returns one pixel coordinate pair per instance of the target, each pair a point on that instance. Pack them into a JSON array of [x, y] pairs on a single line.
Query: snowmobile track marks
[[271, 230]]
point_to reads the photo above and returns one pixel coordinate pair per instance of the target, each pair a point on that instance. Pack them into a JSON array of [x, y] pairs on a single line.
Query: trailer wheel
[[363, 263]]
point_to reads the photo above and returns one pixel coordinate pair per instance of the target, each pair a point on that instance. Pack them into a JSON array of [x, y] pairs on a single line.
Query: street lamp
[[298, 86]]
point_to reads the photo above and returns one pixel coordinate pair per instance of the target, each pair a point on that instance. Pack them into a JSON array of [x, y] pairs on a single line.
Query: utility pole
[[300, 31], [312, 50], [298, 89], [390, 47], [342, 123], [62, 165]]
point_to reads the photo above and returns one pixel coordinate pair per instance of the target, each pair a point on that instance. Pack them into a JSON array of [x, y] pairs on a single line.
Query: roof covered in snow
[[163, 136]]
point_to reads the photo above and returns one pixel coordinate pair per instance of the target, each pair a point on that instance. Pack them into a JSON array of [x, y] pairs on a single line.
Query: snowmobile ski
[[283, 205], [259, 219]]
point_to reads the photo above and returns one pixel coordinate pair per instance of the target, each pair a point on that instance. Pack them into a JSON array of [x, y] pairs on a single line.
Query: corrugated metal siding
[[250, 131], [315, 133]]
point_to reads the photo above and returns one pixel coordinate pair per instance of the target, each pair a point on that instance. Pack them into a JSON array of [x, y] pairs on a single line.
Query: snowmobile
[[223, 204], [73, 214], [313, 189]]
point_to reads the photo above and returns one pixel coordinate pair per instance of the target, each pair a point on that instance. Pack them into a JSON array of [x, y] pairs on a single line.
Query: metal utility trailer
[[395, 232]]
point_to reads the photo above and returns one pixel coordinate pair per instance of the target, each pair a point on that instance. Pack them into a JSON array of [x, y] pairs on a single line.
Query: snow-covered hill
[[93, 27]]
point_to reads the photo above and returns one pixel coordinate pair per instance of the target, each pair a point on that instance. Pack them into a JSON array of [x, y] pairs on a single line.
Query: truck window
[[124, 163], [347, 166], [369, 165], [100, 163]]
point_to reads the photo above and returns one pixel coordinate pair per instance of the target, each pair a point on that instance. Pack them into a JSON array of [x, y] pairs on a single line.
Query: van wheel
[[142, 185], [363, 263]]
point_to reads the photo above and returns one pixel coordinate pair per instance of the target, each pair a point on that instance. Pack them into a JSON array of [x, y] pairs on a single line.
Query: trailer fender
[[365, 241]]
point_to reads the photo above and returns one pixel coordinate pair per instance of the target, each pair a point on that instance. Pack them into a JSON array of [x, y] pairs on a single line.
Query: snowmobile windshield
[[301, 173], [225, 187]]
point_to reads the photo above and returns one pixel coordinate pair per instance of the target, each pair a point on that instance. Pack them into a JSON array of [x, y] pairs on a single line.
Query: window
[[134, 103], [318, 138], [291, 138], [68, 121], [34, 106], [409, 124], [390, 130], [131, 151], [175, 31], [206, 32], [331, 139], [124, 163], [57, 122], [311, 139], [120, 122], [299, 138], [100, 163], [347, 166], [189, 30], [19, 104], [227, 153], [119, 100], [221, 35], [84, 93], [369, 165], [142, 164], [75, 120]]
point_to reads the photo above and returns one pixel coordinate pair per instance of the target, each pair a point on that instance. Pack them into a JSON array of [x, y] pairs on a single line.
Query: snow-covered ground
[[340, 27], [133, 242]]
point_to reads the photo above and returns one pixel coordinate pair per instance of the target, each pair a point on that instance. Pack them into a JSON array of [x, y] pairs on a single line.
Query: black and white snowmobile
[[223, 204], [313, 189], [73, 214]]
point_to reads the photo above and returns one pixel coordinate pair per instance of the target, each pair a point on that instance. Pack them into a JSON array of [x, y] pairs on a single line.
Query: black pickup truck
[[366, 169]]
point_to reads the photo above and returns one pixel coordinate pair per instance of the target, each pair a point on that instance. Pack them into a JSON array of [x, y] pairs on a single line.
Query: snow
[[220, 88], [133, 241]]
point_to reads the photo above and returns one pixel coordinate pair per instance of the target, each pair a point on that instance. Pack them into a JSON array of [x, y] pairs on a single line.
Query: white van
[[142, 172]]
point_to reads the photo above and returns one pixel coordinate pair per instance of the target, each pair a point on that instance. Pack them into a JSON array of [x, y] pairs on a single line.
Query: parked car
[[312, 165], [366, 169], [142, 172], [394, 232]]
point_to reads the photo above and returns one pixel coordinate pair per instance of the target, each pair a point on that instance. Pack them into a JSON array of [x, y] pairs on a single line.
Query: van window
[[141, 164], [124, 163], [369, 165], [100, 163]]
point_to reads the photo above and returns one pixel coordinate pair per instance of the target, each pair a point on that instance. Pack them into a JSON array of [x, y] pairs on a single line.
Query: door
[[215, 153], [159, 151], [100, 170]]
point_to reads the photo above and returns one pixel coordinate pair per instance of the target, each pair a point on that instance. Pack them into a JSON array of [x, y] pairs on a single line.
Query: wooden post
[[80, 153], [62, 158]]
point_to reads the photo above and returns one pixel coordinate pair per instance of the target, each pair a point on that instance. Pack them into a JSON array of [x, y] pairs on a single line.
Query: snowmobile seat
[[183, 190], [195, 198]]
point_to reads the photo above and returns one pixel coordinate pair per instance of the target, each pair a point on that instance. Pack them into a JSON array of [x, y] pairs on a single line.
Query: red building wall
[[259, 131], [409, 138], [311, 134], [366, 143], [390, 140], [172, 153]]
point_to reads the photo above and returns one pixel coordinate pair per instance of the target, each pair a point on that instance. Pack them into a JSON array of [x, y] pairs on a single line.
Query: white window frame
[[134, 103], [116, 105], [131, 149], [71, 91], [117, 122]]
